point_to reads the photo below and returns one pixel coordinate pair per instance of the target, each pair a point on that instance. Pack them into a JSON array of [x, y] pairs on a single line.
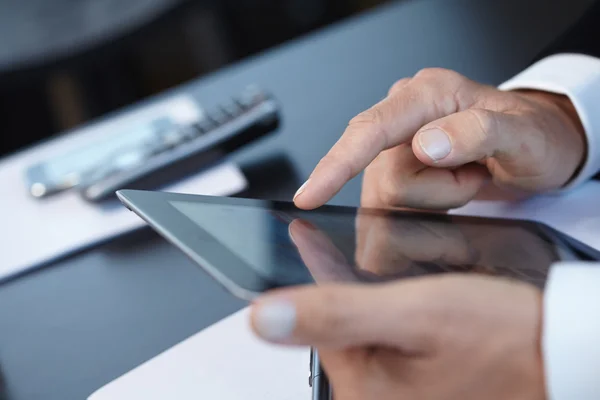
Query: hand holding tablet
[[253, 246]]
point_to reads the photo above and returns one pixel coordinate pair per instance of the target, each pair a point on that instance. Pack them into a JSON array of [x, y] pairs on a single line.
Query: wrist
[[562, 102], [561, 106], [578, 77]]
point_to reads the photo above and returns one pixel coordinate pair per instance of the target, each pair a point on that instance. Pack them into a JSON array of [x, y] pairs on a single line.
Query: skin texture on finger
[[389, 123], [443, 189], [398, 179], [491, 192], [384, 175]]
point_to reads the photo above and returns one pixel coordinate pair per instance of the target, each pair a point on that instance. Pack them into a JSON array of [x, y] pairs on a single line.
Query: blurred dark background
[[64, 62]]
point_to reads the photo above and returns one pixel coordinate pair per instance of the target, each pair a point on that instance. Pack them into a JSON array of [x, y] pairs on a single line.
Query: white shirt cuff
[[578, 77], [571, 331]]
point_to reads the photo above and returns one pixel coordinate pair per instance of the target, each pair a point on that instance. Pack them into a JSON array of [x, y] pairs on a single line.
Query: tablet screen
[[287, 246]]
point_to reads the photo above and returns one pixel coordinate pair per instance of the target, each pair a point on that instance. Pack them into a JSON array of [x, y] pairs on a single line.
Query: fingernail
[[301, 190], [435, 143], [291, 235], [275, 320]]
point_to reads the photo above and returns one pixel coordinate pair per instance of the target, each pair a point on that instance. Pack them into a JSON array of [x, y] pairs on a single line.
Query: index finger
[[390, 122]]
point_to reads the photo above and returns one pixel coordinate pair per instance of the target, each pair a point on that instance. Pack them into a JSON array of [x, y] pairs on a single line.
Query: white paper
[[225, 361], [35, 231], [576, 212]]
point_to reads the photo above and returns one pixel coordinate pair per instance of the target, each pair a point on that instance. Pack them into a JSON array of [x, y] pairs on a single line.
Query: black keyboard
[[181, 150]]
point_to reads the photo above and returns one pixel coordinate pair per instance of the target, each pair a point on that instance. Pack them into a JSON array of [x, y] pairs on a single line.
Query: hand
[[436, 139], [444, 337]]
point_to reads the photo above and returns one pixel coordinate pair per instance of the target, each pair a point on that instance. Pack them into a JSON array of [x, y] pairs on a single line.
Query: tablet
[[252, 246]]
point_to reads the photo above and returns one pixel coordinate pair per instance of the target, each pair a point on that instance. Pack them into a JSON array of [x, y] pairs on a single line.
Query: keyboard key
[[162, 146], [190, 132], [154, 148], [232, 109], [218, 116], [172, 138], [249, 98], [204, 126]]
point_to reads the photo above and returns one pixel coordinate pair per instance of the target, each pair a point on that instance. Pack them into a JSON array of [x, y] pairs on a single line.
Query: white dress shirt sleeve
[[571, 326], [571, 331], [578, 77]]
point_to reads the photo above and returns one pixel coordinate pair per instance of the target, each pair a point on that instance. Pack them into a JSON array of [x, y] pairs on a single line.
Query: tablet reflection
[[387, 247]]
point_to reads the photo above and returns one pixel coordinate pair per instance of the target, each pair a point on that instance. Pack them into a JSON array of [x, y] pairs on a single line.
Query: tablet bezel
[[216, 259], [235, 274]]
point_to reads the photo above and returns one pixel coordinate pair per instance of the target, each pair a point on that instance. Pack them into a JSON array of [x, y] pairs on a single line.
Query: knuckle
[[429, 73], [441, 74], [371, 117], [372, 122], [449, 87], [398, 85], [447, 102], [443, 89], [390, 193]]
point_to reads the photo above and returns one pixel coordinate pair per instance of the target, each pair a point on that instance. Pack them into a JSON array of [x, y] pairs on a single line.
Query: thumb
[[466, 137], [342, 316]]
